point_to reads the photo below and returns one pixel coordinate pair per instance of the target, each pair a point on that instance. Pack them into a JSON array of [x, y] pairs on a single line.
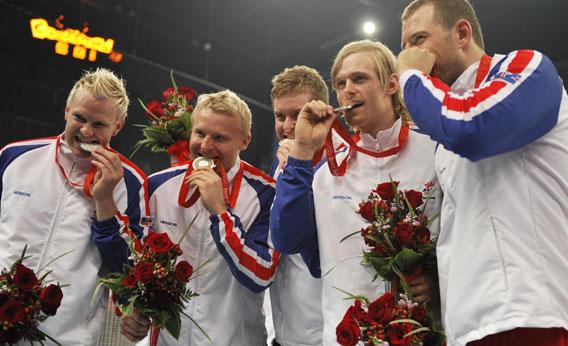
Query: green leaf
[[173, 325], [383, 267], [406, 259]]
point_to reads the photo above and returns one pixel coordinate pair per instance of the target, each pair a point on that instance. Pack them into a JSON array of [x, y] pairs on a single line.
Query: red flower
[[168, 93], [380, 309], [50, 298], [365, 233], [386, 190], [423, 235], [143, 271], [25, 278], [10, 336], [12, 312], [414, 198], [156, 108], [366, 210], [420, 315], [159, 242], [348, 333], [129, 281], [403, 233], [187, 92], [396, 334], [183, 271]]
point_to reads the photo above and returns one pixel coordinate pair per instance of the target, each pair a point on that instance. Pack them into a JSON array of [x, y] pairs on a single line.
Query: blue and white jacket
[[41, 209], [234, 247], [503, 168]]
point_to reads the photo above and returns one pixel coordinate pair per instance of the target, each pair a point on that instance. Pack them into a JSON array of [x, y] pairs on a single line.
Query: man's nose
[[86, 130], [289, 125]]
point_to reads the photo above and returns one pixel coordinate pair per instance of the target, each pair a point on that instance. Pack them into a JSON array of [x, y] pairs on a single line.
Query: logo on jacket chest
[[22, 194], [168, 223]]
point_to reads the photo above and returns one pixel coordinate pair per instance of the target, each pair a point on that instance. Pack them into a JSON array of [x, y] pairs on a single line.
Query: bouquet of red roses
[[387, 322], [155, 284], [170, 122], [25, 301], [401, 246]]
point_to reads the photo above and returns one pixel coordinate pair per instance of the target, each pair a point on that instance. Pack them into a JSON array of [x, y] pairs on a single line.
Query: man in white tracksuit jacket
[[229, 238], [502, 123], [314, 210], [49, 203]]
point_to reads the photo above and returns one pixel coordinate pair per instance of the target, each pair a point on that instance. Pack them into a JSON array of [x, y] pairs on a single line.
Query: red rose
[[24, 278], [414, 198], [420, 315], [356, 312], [159, 242], [187, 92], [11, 336], [367, 210], [129, 281], [348, 333], [50, 298], [365, 233], [403, 233], [155, 108], [386, 190], [12, 312], [183, 271], [396, 334], [167, 94], [143, 271], [380, 309], [423, 235]]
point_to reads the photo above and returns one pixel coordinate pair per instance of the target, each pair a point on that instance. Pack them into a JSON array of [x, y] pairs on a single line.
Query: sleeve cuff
[[406, 75], [292, 162], [107, 226]]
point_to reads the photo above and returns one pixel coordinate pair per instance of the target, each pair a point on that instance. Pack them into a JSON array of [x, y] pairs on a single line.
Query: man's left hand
[[210, 188], [423, 289]]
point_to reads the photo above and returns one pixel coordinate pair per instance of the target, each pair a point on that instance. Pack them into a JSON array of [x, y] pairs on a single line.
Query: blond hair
[[384, 64], [103, 84], [298, 79], [226, 102], [447, 13]]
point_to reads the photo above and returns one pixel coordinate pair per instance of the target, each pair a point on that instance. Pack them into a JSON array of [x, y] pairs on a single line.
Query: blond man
[[72, 192], [314, 209], [231, 234]]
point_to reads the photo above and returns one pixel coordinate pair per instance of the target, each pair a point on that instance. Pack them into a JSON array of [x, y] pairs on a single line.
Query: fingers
[[421, 289], [317, 111], [108, 163], [283, 151], [134, 327], [203, 176]]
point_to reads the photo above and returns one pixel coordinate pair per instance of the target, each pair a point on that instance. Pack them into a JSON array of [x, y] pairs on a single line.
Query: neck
[[386, 122], [473, 55]]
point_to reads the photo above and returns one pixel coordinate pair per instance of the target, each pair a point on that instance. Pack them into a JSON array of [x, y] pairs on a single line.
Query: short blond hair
[[385, 65], [103, 84], [226, 102], [298, 79]]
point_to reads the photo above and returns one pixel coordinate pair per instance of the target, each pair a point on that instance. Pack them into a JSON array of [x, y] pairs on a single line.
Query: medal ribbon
[[330, 151], [230, 194], [86, 185]]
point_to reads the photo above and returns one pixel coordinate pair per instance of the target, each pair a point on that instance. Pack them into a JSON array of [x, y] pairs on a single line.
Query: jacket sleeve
[[292, 219], [249, 253], [112, 236], [518, 103]]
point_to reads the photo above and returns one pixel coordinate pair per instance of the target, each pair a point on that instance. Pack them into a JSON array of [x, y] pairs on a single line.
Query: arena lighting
[[369, 28], [85, 47]]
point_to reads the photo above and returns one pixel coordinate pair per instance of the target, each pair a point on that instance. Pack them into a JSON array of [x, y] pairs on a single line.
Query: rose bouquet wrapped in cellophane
[[155, 284], [26, 300]]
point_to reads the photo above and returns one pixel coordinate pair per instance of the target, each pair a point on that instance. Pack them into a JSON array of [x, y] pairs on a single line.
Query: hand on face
[[134, 327], [312, 126], [109, 174], [416, 58], [284, 149], [210, 188]]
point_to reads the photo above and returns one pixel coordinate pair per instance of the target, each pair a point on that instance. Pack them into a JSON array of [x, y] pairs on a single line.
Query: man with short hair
[[314, 209], [295, 295], [73, 192], [230, 234], [502, 123]]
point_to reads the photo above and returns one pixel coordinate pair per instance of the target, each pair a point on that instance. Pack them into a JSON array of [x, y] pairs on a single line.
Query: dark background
[[218, 44]]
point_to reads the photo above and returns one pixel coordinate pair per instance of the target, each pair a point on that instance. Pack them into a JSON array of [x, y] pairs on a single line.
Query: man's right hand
[[135, 327], [312, 126]]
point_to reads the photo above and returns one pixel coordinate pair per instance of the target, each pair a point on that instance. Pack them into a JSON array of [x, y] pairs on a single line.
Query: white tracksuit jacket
[[503, 168], [38, 207], [241, 260]]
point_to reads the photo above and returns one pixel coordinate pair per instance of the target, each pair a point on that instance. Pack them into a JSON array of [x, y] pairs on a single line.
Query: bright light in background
[[369, 28]]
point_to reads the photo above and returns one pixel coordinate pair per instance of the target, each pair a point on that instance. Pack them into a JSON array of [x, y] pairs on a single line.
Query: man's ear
[[392, 84], [464, 32], [245, 142], [118, 126]]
